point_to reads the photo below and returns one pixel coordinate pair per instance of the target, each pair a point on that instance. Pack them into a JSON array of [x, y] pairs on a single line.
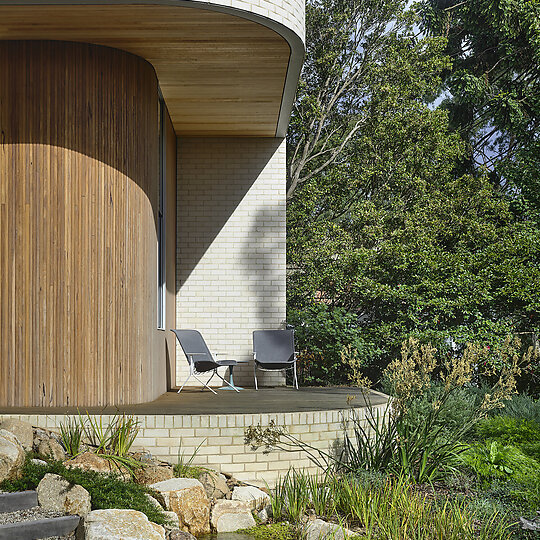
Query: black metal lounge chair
[[200, 359], [273, 350]]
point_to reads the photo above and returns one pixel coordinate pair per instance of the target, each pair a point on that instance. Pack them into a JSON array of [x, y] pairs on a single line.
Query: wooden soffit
[[220, 74]]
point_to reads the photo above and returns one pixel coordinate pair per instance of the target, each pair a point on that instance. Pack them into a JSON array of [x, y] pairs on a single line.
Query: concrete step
[[20, 500], [39, 528]]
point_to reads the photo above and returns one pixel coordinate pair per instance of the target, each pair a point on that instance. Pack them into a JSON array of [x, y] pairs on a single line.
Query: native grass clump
[[111, 440], [378, 509]]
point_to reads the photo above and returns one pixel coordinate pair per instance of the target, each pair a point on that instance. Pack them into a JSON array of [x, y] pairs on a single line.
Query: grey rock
[[51, 449], [530, 524], [177, 534], [57, 494], [215, 485], [22, 430], [256, 498], [322, 530], [11, 456], [153, 501], [263, 515], [36, 461], [230, 516], [234, 522], [172, 518], [88, 461], [187, 498], [151, 474]]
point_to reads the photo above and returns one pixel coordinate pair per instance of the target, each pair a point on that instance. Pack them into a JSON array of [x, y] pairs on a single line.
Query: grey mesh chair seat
[[199, 358], [273, 350]]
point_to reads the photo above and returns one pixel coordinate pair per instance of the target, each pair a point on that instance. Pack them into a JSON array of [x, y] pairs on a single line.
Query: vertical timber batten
[[78, 202]]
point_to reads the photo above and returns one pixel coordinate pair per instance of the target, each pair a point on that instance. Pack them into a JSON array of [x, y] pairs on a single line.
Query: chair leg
[[214, 371], [205, 384], [295, 377], [182, 387], [255, 375], [191, 373]]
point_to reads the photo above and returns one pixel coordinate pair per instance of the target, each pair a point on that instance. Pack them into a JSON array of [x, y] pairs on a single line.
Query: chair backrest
[[192, 343], [273, 346]]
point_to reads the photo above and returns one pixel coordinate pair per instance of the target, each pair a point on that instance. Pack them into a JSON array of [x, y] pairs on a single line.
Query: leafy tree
[[349, 41], [388, 231], [493, 90]]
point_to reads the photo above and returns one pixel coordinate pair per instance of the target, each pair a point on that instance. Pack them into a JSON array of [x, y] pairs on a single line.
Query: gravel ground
[[30, 515]]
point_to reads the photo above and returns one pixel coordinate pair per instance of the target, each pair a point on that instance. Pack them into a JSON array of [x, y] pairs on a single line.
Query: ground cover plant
[[106, 490]]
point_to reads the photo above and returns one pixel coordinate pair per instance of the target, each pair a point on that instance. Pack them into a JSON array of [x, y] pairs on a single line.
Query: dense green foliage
[[324, 333], [524, 434], [106, 491], [396, 238], [524, 407]]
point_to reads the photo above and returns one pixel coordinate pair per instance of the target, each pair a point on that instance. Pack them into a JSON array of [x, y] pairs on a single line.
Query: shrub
[[524, 434], [106, 490], [389, 441], [112, 440], [497, 464], [522, 406], [321, 334]]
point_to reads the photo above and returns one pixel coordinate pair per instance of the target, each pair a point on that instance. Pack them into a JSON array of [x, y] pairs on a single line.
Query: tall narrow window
[[161, 218]]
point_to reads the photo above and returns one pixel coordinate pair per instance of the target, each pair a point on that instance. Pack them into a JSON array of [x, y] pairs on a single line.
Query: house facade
[[142, 188]]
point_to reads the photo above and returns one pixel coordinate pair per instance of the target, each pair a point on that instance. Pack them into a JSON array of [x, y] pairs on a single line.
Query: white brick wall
[[289, 13], [231, 213]]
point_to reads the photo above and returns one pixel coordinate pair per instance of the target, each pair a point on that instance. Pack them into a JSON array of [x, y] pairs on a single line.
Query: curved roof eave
[[294, 41]]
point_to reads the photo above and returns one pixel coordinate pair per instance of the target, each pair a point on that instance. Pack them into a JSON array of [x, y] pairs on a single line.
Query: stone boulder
[[119, 525], [51, 449], [230, 516], [187, 498], [22, 430], [152, 474], [88, 461], [256, 498], [215, 485], [11, 456], [322, 530], [58, 495], [177, 534]]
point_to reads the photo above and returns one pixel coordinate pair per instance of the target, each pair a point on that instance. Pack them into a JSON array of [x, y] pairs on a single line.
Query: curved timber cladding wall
[[78, 197]]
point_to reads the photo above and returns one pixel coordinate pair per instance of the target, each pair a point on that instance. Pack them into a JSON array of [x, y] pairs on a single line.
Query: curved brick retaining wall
[[222, 438]]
